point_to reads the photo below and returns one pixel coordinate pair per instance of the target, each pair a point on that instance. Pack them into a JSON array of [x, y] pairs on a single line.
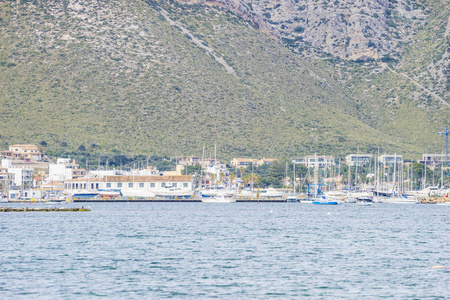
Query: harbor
[[27, 175]]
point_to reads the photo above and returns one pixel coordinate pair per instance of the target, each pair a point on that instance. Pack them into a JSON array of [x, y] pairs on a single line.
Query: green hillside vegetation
[[116, 77]]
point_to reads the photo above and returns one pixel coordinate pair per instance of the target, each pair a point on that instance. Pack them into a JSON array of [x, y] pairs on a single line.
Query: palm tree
[[247, 179], [232, 177]]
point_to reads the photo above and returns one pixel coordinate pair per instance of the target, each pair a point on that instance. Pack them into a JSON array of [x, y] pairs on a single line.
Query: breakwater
[[40, 209]]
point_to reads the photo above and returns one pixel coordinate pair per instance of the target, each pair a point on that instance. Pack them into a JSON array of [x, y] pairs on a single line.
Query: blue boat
[[84, 195], [325, 202]]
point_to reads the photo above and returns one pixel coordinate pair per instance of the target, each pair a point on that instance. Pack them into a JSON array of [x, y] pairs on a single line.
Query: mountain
[[162, 77]]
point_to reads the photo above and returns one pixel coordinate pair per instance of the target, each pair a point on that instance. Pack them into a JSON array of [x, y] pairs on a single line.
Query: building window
[[174, 184], [119, 184], [163, 184], [108, 184], [185, 184], [141, 184], [130, 184], [152, 184]]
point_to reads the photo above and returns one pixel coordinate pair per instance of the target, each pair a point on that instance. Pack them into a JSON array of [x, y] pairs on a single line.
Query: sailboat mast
[[442, 172], [393, 177], [252, 178], [356, 170], [315, 175], [349, 184], [293, 166], [201, 168], [425, 182], [215, 166]]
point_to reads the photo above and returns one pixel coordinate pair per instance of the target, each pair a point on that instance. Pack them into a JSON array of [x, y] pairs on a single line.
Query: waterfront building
[[358, 159], [127, 183], [309, 161], [388, 159]]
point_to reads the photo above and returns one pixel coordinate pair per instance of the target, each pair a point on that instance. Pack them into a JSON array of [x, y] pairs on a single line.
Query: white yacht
[[215, 192], [219, 198], [271, 193], [135, 193], [174, 192], [245, 194], [400, 200]]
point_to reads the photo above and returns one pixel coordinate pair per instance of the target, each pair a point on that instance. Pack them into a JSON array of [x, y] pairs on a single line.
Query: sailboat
[[398, 199], [323, 200]]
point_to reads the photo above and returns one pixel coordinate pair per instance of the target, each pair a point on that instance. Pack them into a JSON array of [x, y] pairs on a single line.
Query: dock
[[131, 200]]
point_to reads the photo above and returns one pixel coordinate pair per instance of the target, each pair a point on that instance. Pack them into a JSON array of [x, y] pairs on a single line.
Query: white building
[[358, 159], [310, 161], [388, 160], [65, 169], [133, 185], [432, 160], [22, 176]]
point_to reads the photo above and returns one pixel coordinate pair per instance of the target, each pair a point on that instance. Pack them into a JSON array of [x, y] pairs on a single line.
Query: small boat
[[52, 202], [327, 201], [364, 203], [292, 199], [85, 195], [110, 193], [219, 198], [306, 201]]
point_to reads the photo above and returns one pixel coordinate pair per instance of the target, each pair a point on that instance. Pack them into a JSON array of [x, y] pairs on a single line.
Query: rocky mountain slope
[[164, 77]]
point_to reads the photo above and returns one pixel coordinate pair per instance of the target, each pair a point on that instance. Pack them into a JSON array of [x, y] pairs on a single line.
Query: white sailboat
[[397, 198]]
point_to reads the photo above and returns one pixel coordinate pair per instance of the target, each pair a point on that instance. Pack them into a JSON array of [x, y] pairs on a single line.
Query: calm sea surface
[[226, 251]]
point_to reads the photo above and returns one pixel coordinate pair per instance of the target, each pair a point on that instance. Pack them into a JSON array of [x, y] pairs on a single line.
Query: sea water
[[226, 251]]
